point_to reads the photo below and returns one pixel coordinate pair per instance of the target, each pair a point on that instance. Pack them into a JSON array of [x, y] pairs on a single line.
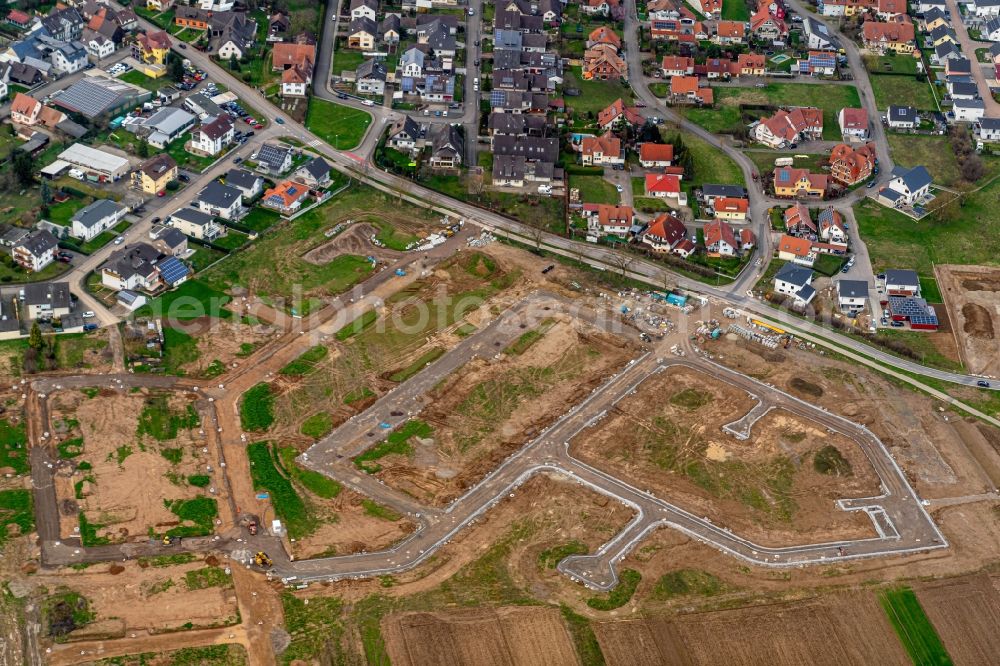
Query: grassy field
[[185, 159], [735, 10], [725, 117], [340, 126], [934, 152], [135, 77], [900, 64], [191, 300], [594, 95], [913, 627], [287, 503], [764, 160], [969, 236], [345, 59], [594, 189], [902, 90]]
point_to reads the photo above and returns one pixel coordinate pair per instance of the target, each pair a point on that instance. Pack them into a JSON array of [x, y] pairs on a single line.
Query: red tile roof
[[660, 182], [656, 152]]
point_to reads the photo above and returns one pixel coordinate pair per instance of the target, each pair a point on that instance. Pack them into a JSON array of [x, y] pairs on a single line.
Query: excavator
[[261, 559]]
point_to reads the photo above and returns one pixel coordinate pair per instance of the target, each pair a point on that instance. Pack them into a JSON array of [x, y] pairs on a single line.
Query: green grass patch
[[465, 330], [933, 152], [70, 448], [628, 581], [314, 482], [257, 408], [13, 446], [306, 362], [173, 456], [828, 264], [393, 238], [16, 508], [200, 579], [691, 398], [168, 560], [376, 510], [199, 480], [288, 505], [929, 290], [356, 326], [913, 627], [199, 512], [340, 126], [362, 393], [88, 532], [317, 426], [550, 557], [397, 442], [423, 361], [735, 10], [595, 95], [687, 582], [829, 460], [191, 300], [588, 649], [594, 189], [904, 90], [162, 423]]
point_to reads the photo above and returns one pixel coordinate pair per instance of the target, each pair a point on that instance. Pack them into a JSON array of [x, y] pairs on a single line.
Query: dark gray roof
[[272, 156], [39, 242], [902, 114], [139, 259], [990, 123], [794, 274], [96, 212], [964, 88], [55, 294], [172, 238], [902, 276], [852, 288], [959, 65], [242, 179], [531, 148], [371, 69], [192, 215], [219, 195], [710, 190], [362, 24], [914, 178], [508, 167], [317, 168]]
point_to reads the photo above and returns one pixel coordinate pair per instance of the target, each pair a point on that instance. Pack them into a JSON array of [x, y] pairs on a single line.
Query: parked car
[[156, 220], [982, 383], [89, 314], [280, 121], [183, 177], [896, 324], [90, 327], [119, 240], [182, 45]]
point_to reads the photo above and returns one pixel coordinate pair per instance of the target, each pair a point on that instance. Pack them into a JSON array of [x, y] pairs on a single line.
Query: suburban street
[[969, 47]]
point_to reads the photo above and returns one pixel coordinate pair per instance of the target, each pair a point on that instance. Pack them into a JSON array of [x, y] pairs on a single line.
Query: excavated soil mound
[[978, 322]]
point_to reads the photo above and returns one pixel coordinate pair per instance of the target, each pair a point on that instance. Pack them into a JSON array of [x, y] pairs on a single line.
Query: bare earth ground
[[633, 443], [489, 408], [346, 528], [222, 340], [526, 636], [972, 294], [966, 613], [841, 629], [355, 240], [127, 495], [149, 599]]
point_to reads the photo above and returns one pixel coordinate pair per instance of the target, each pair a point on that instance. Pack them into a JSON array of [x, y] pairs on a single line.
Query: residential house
[[65, 24], [35, 251], [902, 117], [792, 182], [221, 200], [212, 137], [852, 295], [131, 268], [232, 34], [831, 226], [655, 155], [915, 311], [672, 65], [603, 62], [795, 281], [154, 174], [766, 25], [191, 17], [47, 300], [17, 18], [611, 220], [447, 147], [411, 64], [818, 63], [710, 192], [665, 186], [598, 7], [906, 186], [216, 5], [853, 124], [287, 55], [962, 87], [96, 218], [370, 78], [798, 250], [67, 57], [286, 197], [24, 74], [25, 109], [882, 38], [295, 81], [968, 110], [604, 35], [152, 47], [273, 160], [850, 165], [685, 89], [729, 32], [277, 26], [958, 67], [786, 127], [617, 113], [845, 7], [196, 223], [751, 64], [717, 68], [249, 184], [902, 282], [708, 8], [407, 136], [720, 239], [991, 30], [664, 233], [509, 171], [364, 9], [731, 209], [817, 36], [604, 149], [945, 52], [314, 173], [889, 10], [988, 130], [985, 8], [390, 29], [169, 240], [799, 222], [934, 18]]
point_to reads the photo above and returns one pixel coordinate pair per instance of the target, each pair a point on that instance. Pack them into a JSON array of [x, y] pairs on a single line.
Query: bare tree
[[619, 260], [666, 281], [537, 235]]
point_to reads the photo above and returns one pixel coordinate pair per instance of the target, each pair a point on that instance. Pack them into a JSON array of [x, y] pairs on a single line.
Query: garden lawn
[[594, 189], [187, 160], [735, 10], [904, 90], [725, 117], [137, 78], [971, 236], [934, 152], [340, 126], [900, 64], [191, 300], [62, 213], [345, 59], [594, 95]]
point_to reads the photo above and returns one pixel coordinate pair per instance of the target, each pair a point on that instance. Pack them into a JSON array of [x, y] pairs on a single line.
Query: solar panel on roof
[[173, 270]]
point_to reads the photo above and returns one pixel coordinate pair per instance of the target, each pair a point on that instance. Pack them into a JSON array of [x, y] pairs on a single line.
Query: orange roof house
[[603, 62], [286, 196], [677, 65], [882, 37], [729, 32], [731, 208], [751, 64], [656, 154], [791, 182], [285, 54], [617, 110], [604, 35], [791, 247], [849, 165]]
